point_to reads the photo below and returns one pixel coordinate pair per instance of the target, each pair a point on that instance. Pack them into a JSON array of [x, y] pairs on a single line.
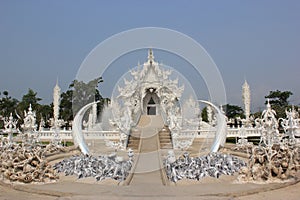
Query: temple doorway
[[151, 107], [151, 104]]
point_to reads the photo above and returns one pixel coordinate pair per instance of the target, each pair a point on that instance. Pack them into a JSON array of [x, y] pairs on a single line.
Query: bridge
[[66, 135]]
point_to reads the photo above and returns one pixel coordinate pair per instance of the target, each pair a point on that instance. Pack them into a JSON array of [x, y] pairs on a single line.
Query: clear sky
[[258, 40]]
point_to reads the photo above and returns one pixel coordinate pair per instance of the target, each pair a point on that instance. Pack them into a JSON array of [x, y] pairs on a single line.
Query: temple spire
[[246, 95], [150, 56], [56, 102]]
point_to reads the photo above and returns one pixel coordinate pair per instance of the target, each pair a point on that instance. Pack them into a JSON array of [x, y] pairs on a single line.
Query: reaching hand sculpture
[[77, 129], [221, 133]]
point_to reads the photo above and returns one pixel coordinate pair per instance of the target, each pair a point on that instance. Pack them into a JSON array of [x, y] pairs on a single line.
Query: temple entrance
[[151, 107], [151, 103]]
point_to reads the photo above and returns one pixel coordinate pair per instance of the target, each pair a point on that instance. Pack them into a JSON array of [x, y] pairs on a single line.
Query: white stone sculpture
[[290, 124], [77, 129], [209, 114], [42, 124], [26, 163], [278, 162], [220, 137], [10, 127], [270, 133], [190, 114], [182, 144], [148, 83], [30, 135], [94, 115]]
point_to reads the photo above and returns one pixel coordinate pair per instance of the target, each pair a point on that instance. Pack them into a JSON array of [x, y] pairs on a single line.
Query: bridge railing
[[231, 132], [114, 135], [67, 134]]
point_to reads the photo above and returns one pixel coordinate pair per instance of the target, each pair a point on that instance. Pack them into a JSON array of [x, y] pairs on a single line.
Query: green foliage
[[279, 98], [84, 93], [279, 101], [78, 95], [31, 98], [257, 114], [233, 111], [45, 111], [27, 99], [66, 105], [7, 104], [204, 114]]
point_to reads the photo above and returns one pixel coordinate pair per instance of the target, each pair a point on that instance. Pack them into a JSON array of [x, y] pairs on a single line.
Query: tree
[[279, 101], [7, 105], [279, 98], [78, 95], [66, 106], [204, 114], [233, 111], [45, 112], [27, 99], [84, 93]]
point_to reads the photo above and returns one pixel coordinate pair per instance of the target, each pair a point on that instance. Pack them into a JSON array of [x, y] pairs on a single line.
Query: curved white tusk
[[221, 132], [77, 129]]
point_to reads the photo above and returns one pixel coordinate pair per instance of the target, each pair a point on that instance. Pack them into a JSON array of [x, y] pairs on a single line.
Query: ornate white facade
[[150, 91]]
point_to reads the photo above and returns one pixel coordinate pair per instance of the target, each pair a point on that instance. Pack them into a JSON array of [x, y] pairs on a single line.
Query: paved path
[[148, 165]]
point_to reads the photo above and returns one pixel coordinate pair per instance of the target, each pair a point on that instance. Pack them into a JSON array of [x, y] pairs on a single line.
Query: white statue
[[10, 127], [42, 124], [270, 133], [29, 127], [290, 124], [190, 114], [209, 114]]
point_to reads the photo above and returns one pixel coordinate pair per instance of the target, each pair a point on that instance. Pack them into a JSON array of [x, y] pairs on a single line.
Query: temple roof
[[150, 74]]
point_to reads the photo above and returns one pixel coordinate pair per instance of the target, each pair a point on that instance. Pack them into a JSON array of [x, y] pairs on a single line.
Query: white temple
[[151, 91]]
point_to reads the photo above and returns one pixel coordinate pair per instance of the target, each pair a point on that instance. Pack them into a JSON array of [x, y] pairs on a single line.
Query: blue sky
[[256, 40]]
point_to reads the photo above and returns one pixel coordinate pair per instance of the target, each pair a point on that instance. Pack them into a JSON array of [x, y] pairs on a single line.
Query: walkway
[[148, 168]]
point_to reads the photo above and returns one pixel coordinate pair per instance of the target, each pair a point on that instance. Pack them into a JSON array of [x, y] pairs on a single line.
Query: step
[[166, 146], [165, 141], [165, 137]]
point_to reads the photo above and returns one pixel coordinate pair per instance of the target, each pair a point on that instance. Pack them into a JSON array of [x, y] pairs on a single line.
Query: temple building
[[151, 91]]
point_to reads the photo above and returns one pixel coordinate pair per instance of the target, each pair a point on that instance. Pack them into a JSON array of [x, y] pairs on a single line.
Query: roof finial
[[268, 103], [150, 56]]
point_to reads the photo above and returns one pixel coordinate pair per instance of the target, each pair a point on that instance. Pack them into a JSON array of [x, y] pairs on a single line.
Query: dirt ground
[[211, 189]]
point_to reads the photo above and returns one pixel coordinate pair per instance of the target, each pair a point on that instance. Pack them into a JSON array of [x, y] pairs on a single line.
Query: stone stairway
[[148, 167], [134, 140], [153, 123], [165, 138]]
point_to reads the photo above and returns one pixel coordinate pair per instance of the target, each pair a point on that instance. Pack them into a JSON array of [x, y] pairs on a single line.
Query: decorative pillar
[[246, 99], [56, 101]]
